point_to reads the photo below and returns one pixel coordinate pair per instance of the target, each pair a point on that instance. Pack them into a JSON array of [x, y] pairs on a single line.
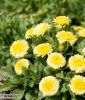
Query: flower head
[[59, 27], [19, 48], [77, 85], [77, 63], [77, 28], [40, 29], [61, 47], [62, 20], [82, 33], [21, 63], [29, 33], [66, 36], [49, 86], [56, 60], [43, 49]]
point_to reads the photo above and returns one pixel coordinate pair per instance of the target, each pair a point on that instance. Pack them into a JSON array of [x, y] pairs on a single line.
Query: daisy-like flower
[[21, 63], [59, 27], [62, 20], [19, 48], [77, 63], [49, 86], [77, 85], [29, 33], [66, 36], [77, 28], [61, 47], [43, 49], [56, 60], [40, 29], [82, 33]]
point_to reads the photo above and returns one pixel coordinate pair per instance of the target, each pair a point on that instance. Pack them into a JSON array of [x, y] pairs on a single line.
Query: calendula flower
[[61, 47], [21, 63], [43, 49], [41, 28], [77, 28], [49, 86], [62, 20], [29, 33], [56, 60], [59, 27], [77, 63], [19, 48], [66, 36], [77, 85], [82, 33]]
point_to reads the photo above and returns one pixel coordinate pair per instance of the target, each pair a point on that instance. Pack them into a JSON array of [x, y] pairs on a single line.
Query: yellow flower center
[[61, 46], [43, 49], [48, 85], [78, 84], [18, 48], [56, 59], [78, 62], [62, 20]]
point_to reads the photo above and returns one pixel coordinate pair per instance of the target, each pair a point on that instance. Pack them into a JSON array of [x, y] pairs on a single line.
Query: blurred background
[[16, 16]]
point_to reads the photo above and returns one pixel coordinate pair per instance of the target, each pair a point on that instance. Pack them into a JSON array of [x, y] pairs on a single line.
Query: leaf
[[28, 96], [18, 94], [64, 97], [70, 74], [31, 83], [63, 89], [24, 71], [7, 72], [48, 70], [40, 96], [6, 86]]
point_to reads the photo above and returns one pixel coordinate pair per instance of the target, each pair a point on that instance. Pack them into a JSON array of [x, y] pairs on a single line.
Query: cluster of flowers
[[49, 85]]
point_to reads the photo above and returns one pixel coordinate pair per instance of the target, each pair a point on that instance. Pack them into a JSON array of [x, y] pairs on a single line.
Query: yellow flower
[[77, 28], [77, 63], [59, 27], [29, 33], [82, 33], [21, 63], [43, 49], [66, 36], [61, 47], [62, 20], [41, 28], [77, 85], [19, 48], [56, 60], [49, 86]]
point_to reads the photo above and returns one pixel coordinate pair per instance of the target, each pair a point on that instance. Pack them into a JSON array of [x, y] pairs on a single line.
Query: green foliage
[[16, 16]]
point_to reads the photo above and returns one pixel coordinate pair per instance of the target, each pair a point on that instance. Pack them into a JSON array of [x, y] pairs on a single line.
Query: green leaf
[[7, 72], [6, 86], [24, 71], [64, 88], [28, 96], [18, 94], [48, 70], [64, 97], [31, 83]]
